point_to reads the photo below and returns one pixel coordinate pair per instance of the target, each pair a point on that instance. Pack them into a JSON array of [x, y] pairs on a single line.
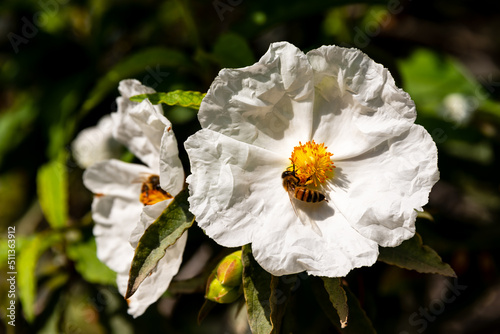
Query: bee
[[295, 189], [151, 192], [300, 191]]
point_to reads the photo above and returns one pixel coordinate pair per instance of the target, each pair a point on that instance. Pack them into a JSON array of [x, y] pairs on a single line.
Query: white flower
[[352, 136], [95, 144], [457, 107], [122, 209]]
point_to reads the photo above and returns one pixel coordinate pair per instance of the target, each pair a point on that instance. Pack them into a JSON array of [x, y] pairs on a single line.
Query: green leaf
[[358, 320], [84, 254], [414, 255], [257, 291], [160, 235], [338, 298], [28, 258], [181, 98], [281, 291], [232, 50], [52, 187], [146, 60]]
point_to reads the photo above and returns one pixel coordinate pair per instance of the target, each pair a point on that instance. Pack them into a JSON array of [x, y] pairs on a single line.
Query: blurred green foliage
[[61, 61]]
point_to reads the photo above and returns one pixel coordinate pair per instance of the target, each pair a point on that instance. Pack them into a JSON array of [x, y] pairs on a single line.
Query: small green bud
[[230, 270], [220, 293], [224, 284]]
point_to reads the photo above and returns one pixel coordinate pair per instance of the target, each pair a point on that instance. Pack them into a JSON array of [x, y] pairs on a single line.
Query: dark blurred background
[[61, 62]]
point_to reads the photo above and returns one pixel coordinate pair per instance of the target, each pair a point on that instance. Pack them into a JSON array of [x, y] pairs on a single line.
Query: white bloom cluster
[[313, 159]]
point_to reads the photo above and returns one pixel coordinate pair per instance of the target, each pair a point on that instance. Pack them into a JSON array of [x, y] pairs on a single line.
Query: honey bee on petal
[[301, 192], [295, 189], [151, 192]]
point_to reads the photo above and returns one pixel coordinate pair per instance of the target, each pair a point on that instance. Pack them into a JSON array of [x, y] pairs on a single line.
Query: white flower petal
[[148, 215], [132, 87], [357, 104], [265, 103], [284, 248], [379, 191], [127, 131], [110, 210], [116, 178], [230, 184], [155, 285], [113, 248], [171, 170], [95, 144], [151, 123]]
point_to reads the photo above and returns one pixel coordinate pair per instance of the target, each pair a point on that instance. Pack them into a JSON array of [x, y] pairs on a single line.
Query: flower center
[[151, 192], [312, 163]]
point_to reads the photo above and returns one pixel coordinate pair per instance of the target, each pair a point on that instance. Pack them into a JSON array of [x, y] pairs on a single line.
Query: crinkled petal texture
[[148, 134], [120, 217], [253, 117]]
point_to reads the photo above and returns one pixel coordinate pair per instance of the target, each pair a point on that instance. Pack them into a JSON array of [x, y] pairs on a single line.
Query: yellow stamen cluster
[[312, 163]]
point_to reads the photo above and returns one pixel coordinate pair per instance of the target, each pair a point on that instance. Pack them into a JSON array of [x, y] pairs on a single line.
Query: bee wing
[[143, 177], [292, 200], [304, 218]]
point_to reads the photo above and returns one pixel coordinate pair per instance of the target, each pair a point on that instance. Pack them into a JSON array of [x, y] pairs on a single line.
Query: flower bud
[[224, 284], [230, 270]]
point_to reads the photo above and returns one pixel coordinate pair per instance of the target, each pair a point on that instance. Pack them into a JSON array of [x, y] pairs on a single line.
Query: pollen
[[151, 192], [312, 163], [151, 197]]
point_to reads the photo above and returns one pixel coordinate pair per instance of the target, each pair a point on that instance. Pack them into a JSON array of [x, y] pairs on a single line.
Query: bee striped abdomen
[[308, 195], [295, 189]]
